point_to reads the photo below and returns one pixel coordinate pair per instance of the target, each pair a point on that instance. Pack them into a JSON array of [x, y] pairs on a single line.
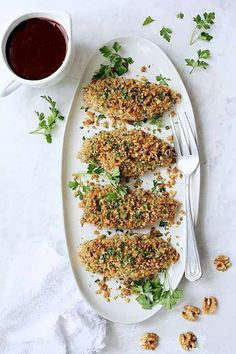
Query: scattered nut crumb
[[188, 340], [143, 69], [191, 313], [149, 341], [172, 114], [222, 263], [103, 289], [209, 305], [143, 78], [170, 139]]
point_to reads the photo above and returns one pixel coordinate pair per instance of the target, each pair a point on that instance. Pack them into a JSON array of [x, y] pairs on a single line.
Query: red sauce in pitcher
[[36, 48]]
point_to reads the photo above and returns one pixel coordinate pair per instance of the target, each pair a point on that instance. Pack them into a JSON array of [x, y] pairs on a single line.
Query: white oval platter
[[143, 52]]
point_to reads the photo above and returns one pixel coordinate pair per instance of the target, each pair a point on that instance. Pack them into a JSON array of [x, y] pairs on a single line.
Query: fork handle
[[193, 269]]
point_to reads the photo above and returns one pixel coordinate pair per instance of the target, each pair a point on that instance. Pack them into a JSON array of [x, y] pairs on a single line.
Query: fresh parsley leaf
[[148, 20], [47, 124], [111, 197], [158, 186], [144, 301], [165, 32], [205, 36], [152, 291], [180, 15], [202, 54], [98, 170], [202, 22], [155, 119], [162, 80], [118, 65], [73, 184], [163, 223]]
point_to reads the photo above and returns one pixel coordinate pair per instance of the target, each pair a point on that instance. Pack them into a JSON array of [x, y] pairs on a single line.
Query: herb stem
[[192, 39]]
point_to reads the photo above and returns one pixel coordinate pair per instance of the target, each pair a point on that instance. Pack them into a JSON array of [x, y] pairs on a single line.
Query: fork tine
[[176, 140], [193, 143], [184, 140]]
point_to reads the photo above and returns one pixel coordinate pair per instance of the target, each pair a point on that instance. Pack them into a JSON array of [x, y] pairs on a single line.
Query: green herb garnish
[[47, 124], [155, 119], [118, 65], [162, 80], [180, 15], [148, 20], [79, 188], [152, 292], [113, 177], [165, 32], [202, 22], [198, 63], [158, 186]]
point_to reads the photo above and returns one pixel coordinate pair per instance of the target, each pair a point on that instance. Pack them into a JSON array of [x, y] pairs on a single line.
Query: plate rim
[[62, 178]]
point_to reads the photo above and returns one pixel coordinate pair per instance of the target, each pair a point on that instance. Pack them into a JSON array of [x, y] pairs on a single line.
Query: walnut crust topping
[[134, 152], [129, 99], [222, 263], [127, 211], [188, 340], [209, 305], [191, 313], [127, 256], [149, 341]]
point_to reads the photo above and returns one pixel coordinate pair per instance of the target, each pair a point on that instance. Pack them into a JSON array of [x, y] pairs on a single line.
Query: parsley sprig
[[199, 63], [204, 23], [118, 65], [47, 124], [162, 80], [113, 177], [152, 292], [165, 32]]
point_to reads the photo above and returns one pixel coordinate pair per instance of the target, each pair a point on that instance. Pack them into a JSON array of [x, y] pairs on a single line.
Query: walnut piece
[[149, 341], [191, 313], [209, 305], [222, 263], [188, 340]]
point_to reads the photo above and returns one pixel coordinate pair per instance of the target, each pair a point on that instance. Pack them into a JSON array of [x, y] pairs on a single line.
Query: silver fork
[[187, 161]]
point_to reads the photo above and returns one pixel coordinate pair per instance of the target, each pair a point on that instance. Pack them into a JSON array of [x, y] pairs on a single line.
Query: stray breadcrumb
[[143, 78], [191, 313], [188, 340], [209, 305], [149, 341], [222, 263], [143, 69], [103, 289]]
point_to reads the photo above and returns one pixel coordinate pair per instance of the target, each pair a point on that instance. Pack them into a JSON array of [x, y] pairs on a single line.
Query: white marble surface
[[30, 205]]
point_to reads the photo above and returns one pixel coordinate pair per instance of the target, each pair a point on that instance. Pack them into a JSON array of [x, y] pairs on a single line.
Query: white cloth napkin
[[41, 309]]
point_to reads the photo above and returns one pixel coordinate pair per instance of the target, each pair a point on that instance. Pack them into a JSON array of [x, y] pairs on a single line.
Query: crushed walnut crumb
[[191, 313], [222, 263], [149, 341], [188, 340], [209, 305], [104, 289]]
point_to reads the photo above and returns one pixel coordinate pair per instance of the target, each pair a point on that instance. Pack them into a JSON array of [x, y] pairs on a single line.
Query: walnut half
[[188, 340], [191, 313], [149, 341], [209, 305], [222, 263]]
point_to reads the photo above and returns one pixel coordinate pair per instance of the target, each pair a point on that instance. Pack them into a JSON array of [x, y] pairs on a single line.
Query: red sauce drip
[[36, 48]]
